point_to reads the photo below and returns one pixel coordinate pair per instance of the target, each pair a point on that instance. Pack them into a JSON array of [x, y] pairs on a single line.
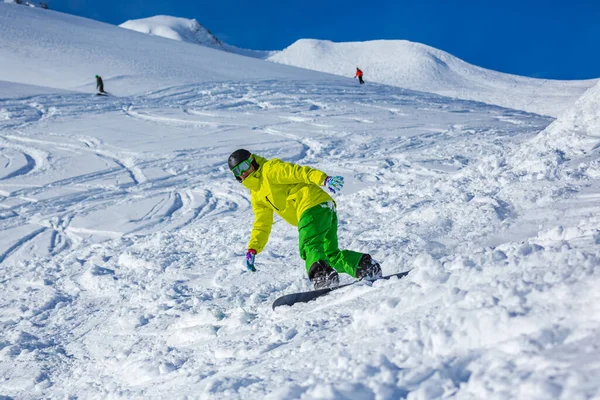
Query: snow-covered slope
[[419, 67], [123, 234], [129, 62], [187, 30]]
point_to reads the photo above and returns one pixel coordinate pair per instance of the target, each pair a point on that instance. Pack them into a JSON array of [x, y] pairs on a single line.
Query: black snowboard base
[[305, 297]]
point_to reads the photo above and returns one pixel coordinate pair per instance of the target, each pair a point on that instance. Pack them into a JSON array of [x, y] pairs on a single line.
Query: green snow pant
[[317, 232]]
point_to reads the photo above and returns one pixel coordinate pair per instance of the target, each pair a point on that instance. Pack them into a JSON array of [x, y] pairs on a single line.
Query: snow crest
[[181, 29], [187, 30]]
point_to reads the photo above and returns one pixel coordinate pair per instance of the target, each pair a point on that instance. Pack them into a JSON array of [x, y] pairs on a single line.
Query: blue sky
[[542, 39]]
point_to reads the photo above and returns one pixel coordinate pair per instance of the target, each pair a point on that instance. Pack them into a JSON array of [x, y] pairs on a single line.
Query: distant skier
[[294, 193], [359, 75], [99, 84]]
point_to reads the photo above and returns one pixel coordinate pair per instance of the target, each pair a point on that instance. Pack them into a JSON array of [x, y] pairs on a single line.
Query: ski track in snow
[[126, 250]]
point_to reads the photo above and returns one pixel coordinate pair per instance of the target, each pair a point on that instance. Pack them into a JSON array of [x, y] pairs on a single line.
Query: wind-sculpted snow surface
[[123, 235]]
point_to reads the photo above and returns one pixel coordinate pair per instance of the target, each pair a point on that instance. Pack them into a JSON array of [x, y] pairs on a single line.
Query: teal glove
[[250, 260], [334, 183]]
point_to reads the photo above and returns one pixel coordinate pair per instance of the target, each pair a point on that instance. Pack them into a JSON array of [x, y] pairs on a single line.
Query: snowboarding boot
[[368, 268], [323, 276]]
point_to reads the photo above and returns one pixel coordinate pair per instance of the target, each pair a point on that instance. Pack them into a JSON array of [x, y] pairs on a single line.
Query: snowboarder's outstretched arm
[[287, 173], [261, 229]]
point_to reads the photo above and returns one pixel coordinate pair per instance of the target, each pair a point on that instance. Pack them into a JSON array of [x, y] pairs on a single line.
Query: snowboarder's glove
[[250, 260], [334, 183]]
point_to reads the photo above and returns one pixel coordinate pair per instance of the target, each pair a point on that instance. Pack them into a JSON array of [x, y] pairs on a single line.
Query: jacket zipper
[[267, 197]]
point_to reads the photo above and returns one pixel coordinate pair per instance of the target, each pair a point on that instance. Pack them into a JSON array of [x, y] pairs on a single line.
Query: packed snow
[[123, 233], [420, 67]]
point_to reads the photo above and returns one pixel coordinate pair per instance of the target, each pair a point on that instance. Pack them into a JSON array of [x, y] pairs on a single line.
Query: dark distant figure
[[359, 75], [99, 84]]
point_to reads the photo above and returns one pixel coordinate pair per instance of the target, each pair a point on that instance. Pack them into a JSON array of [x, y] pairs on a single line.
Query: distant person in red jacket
[[359, 74]]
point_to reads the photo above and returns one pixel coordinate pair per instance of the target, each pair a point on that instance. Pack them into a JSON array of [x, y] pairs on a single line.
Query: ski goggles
[[242, 167]]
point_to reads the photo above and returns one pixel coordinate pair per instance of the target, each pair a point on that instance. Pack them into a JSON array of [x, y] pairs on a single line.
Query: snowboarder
[[294, 193], [359, 75], [99, 84]]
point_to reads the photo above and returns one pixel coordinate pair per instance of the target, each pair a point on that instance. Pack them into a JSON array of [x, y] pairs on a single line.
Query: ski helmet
[[97, 76], [237, 157]]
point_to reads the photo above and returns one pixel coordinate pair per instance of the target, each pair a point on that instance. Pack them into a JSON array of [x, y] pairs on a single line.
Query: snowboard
[[305, 297]]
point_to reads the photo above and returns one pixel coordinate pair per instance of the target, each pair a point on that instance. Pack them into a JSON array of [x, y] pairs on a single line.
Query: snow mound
[[28, 4], [566, 142], [187, 30], [181, 29], [577, 131], [420, 67]]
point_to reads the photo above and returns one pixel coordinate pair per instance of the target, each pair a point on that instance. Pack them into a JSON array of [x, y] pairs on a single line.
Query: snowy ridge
[[181, 29], [123, 234], [187, 30], [420, 67], [27, 3]]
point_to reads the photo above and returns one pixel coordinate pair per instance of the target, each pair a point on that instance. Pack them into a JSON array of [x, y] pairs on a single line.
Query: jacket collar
[[252, 182]]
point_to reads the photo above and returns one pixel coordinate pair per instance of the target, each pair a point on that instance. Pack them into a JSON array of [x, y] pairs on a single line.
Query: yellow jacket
[[288, 189]]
